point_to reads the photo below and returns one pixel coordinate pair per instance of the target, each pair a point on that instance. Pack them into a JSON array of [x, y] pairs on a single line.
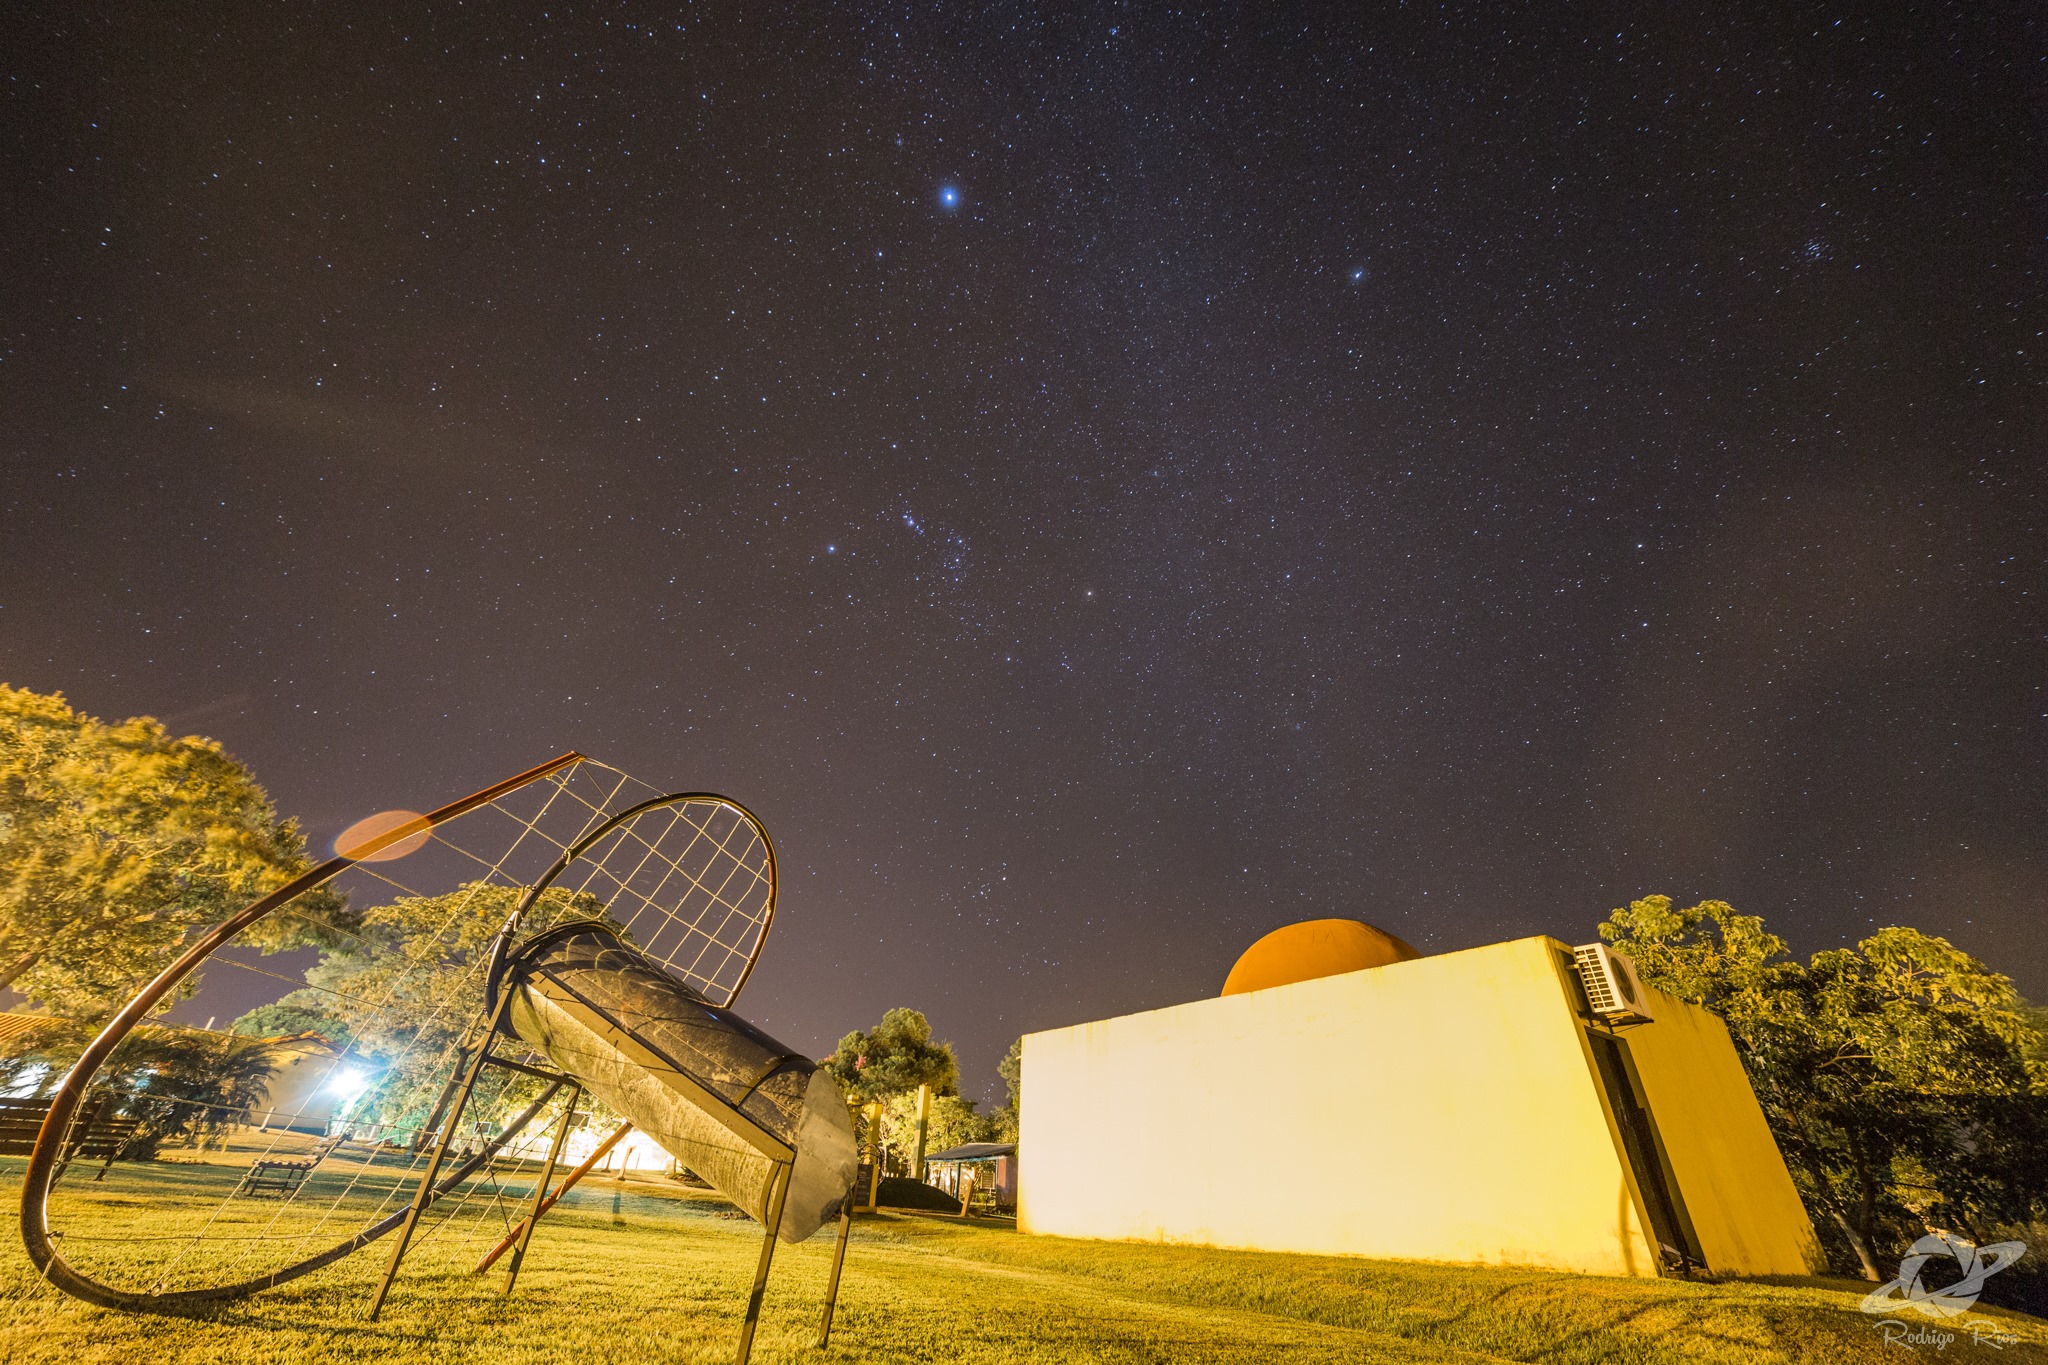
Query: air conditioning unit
[[1612, 987]]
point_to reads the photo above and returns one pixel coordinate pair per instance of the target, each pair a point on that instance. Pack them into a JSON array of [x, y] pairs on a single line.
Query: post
[[924, 1121], [425, 1194], [540, 1186], [874, 1155], [838, 1260], [776, 1194], [966, 1189]]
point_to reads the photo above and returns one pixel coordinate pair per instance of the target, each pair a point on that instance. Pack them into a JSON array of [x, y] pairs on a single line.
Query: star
[[949, 196]]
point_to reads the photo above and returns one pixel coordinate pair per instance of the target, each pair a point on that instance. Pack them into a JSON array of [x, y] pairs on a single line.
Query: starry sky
[[1102, 483]]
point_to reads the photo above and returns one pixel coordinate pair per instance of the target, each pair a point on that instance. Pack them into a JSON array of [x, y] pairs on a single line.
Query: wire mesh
[[326, 1140]]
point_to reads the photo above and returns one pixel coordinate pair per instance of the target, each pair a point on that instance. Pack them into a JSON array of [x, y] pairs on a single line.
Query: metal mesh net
[[325, 1142]]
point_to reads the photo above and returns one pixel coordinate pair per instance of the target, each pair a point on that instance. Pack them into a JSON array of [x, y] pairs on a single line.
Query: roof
[[975, 1151], [14, 1025]]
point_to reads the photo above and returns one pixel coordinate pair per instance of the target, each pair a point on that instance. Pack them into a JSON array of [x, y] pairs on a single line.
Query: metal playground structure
[[568, 939]]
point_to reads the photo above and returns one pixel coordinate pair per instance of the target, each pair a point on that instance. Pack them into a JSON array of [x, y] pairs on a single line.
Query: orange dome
[[1313, 948]]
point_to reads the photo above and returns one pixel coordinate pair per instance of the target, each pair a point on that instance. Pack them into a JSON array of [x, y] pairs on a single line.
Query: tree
[[1009, 1118], [952, 1123], [183, 1083], [284, 1021], [116, 841], [404, 987], [895, 1056], [178, 1082], [1900, 1077]]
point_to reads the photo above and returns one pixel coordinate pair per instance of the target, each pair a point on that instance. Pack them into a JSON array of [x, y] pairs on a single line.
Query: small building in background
[[309, 1084], [993, 1166]]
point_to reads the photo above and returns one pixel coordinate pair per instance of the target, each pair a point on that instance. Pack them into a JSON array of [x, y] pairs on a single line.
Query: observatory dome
[[1313, 948]]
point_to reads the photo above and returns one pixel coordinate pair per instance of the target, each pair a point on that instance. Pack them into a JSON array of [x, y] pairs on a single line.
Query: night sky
[[1100, 485]]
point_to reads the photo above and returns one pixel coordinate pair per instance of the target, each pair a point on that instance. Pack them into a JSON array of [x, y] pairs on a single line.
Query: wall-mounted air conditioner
[[1612, 987]]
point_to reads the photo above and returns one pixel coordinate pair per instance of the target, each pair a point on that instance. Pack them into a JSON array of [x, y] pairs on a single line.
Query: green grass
[[647, 1273]]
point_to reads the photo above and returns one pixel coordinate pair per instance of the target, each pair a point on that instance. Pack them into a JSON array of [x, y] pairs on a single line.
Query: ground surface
[[643, 1273]]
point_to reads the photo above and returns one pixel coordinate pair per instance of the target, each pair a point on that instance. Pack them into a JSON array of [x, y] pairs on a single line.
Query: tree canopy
[[895, 1056], [1902, 1078], [1011, 1069], [403, 987], [116, 841]]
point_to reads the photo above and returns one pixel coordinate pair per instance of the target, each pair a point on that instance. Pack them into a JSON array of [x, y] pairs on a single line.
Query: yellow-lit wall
[[1439, 1109], [1731, 1177]]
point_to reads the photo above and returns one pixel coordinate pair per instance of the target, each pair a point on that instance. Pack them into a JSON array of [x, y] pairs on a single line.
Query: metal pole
[[432, 1125], [838, 1260], [540, 1186], [924, 1121], [874, 1154], [776, 1194], [568, 1183], [425, 1194]]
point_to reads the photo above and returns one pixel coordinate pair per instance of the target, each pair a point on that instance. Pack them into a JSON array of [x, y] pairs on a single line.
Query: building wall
[[1441, 1109], [1731, 1176], [299, 1094]]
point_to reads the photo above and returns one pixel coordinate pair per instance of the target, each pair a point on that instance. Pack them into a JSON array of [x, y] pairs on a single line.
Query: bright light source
[[348, 1085]]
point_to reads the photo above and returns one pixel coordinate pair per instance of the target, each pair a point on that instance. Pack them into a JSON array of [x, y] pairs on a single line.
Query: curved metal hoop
[[40, 1174]]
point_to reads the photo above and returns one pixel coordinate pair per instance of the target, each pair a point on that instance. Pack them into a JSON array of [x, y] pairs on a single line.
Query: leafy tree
[[953, 1122], [35, 1058], [405, 986], [181, 1083], [1010, 1116], [1902, 1077], [283, 1021], [116, 841], [1011, 1069], [895, 1056]]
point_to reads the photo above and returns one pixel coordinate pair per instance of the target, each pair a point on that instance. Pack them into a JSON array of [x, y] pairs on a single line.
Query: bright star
[[949, 196]]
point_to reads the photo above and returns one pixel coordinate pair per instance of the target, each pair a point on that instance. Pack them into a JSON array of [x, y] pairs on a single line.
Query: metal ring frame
[[40, 1174], [501, 945]]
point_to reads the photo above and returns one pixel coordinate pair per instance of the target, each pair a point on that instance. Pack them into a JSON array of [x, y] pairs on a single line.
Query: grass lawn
[[645, 1273]]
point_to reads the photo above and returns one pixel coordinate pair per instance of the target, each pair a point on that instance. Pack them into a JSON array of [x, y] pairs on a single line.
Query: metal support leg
[[433, 1123], [776, 1195], [838, 1260], [425, 1194], [540, 1187], [874, 1155], [568, 1184]]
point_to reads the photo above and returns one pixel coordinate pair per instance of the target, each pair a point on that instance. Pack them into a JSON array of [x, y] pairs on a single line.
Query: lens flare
[[363, 840]]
